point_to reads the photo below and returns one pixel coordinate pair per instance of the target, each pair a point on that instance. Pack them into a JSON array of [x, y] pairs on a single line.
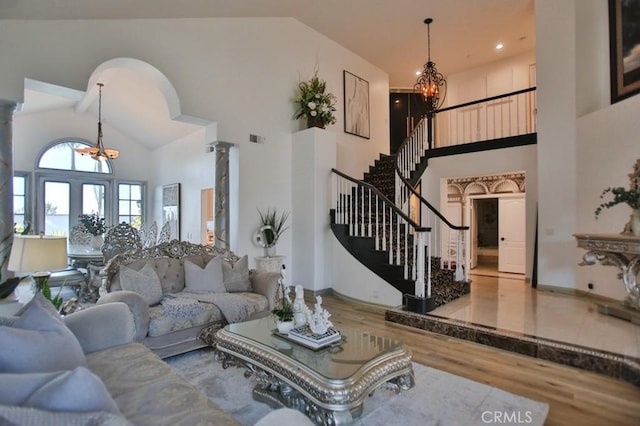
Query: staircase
[[385, 239]]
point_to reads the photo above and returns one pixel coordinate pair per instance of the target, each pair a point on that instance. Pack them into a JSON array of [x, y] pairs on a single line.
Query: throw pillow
[[204, 280], [38, 341], [78, 390], [236, 277], [145, 282]]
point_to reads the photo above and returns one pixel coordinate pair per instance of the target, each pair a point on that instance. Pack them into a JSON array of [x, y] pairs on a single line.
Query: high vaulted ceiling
[[390, 34]]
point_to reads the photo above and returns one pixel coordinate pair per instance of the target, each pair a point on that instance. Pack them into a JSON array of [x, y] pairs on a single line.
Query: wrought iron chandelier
[[99, 152], [431, 84]]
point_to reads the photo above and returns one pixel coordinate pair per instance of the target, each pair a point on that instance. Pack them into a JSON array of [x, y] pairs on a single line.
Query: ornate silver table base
[[278, 394], [329, 385], [622, 251]]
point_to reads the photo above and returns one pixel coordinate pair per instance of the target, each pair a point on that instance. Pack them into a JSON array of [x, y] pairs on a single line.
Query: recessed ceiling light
[[418, 72], [499, 46]]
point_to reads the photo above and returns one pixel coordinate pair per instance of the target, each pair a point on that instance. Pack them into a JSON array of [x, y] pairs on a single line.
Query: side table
[[269, 263], [623, 252]]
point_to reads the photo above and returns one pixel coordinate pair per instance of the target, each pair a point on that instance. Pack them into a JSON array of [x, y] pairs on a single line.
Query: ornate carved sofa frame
[[154, 329]]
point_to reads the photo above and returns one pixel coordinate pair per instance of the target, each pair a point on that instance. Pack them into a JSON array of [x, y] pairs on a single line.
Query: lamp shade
[[37, 253]]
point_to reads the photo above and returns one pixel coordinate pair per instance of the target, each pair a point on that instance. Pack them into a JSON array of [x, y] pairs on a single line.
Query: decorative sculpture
[[319, 320], [300, 309]]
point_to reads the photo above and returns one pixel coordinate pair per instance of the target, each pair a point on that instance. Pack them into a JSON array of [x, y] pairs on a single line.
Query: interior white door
[[512, 235]]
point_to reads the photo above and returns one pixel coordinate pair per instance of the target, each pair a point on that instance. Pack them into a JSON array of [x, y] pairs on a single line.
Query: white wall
[[496, 78], [506, 160], [32, 132], [239, 72]]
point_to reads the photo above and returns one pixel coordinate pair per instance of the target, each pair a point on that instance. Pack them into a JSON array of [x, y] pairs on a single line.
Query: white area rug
[[438, 398]]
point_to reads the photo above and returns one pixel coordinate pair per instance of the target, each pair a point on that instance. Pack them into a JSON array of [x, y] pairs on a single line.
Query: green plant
[[46, 292], [284, 308], [94, 224], [276, 223], [631, 197], [313, 103]]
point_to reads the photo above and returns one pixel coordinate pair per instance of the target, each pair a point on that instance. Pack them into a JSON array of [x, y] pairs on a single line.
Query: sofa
[[181, 293], [86, 369]]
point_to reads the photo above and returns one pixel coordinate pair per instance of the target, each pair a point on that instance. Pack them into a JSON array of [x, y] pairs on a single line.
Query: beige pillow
[[236, 277], [145, 282], [204, 280]]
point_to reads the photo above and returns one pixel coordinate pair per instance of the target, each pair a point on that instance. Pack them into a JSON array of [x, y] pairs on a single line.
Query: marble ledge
[[597, 361]]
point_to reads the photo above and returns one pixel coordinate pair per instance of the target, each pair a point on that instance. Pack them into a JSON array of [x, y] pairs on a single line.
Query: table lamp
[[38, 254]]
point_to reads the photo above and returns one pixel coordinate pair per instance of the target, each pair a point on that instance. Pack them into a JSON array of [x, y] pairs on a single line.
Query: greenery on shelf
[[314, 104], [94, 224], [274, 225], [621, 195]]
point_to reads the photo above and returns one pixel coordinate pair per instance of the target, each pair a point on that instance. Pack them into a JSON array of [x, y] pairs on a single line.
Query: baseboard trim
[[577, 292]]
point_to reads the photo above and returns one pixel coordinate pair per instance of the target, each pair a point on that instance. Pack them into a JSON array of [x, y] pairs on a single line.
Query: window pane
[[62, 156], [124, 191], [124, 219], [135, 208], [56, 204], [136, 192], [93, 198], [123, 207], [19, 202]]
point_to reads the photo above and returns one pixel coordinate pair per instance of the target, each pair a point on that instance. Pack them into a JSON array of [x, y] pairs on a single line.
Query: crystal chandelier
[[431, 84], [99, 152]]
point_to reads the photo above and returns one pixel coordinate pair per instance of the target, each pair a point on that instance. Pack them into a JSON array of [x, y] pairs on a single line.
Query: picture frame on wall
[[171, 209], [356, 105], [624, 43]]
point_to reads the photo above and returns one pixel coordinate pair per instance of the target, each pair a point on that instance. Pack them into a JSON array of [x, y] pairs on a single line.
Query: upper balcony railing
[[511, 114]]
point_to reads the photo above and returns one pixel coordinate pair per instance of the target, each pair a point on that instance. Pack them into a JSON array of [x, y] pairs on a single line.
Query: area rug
[[438, 398]]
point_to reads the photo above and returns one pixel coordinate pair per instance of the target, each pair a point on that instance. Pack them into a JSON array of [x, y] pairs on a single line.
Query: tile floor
[[506, 302]]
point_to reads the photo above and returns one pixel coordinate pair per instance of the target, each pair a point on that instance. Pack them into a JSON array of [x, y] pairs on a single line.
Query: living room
[[241, 73]]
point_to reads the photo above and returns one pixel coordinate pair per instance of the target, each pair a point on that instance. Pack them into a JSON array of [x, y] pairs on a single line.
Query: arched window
[[69, 184], [62, 155]]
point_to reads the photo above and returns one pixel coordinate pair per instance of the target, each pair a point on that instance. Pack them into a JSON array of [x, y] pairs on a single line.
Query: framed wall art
[[171, 209], [624, 42], [356, 105]]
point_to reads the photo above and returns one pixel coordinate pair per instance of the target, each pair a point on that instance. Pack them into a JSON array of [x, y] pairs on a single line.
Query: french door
[[60, 200]]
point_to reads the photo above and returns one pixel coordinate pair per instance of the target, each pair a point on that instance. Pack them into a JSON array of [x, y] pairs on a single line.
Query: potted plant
[[283, 310], [316, 106], [630, 197], [272, 225], [95, 225]]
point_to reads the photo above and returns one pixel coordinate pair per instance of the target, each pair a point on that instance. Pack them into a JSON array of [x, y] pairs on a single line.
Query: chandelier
[[99, 152], [431, 84]]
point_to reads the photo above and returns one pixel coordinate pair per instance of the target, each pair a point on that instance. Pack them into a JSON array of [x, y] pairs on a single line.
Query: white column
[[313, 157]]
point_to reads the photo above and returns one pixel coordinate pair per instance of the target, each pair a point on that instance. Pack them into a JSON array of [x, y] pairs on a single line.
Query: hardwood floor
[[575, 397]]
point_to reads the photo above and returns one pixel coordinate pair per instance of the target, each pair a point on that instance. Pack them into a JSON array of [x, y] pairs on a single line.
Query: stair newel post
[[428, 295], [460, 274], [419, 284], [369, 234]]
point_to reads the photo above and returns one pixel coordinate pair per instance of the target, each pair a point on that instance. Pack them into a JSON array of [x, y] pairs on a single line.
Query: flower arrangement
[[314, 104], [284, 308], [272, 225], [94, 224]]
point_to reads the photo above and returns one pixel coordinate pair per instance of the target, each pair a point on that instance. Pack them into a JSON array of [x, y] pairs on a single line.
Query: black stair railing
[[368, 213]]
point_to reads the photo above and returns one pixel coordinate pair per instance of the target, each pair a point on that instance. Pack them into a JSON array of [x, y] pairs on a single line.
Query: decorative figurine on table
[[300, 309], [319, 320]]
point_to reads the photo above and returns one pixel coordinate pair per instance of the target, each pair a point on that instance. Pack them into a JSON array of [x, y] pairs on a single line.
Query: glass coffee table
[[330, 384]]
